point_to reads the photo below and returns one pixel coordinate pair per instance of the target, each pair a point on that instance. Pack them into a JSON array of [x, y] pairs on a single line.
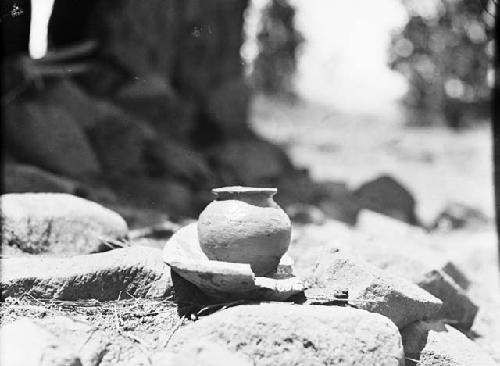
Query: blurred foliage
[[278, 42], [445, 52]]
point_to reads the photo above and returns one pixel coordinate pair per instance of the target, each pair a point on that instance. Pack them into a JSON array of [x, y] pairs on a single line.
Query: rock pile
[[390, 317]]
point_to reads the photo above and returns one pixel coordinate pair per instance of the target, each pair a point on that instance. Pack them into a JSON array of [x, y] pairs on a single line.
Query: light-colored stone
[[410, 253], [26, 343], [438, 344], [374, 290], [58, 223], [282, 334], [200, 353], [120, 273], [89, 343]]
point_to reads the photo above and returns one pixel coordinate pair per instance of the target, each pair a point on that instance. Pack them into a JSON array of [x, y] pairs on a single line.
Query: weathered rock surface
[[26, 343], [410, 254], [57, 223], [47, 135], [89, 343], [120, 273], [371, 289], [386, 195], [282, 334], [438, 344], [200, 353]]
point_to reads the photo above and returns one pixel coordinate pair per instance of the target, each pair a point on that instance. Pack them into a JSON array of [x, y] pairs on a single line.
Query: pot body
[[245, 225]]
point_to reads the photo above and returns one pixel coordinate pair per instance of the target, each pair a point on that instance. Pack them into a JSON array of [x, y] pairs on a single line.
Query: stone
[[168, 158], [121, 273], [89, 342], [21, 178], [458, 216], [200, 353], [119, 140], [47, 135], [58, 223], [82, 107], [250, 162], [283, 334], [457, 307], [435, 343], [228, 104], [337, 201], [152, 98], [371, 289], [26, 343], [387, 196], [169, 196], [425, 267]]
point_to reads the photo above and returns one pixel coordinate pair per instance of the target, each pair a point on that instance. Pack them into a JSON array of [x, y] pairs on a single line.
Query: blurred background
[[145, 107]]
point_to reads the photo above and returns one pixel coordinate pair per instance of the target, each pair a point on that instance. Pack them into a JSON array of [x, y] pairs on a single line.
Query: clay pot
[[245, 225]]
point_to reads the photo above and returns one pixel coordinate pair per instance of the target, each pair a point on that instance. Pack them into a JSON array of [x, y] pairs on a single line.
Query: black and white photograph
[[250, 183]]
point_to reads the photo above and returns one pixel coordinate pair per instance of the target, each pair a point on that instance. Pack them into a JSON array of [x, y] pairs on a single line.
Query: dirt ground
[[439, 166]]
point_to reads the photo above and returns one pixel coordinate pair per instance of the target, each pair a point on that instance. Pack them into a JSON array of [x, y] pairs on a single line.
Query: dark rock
[[57, 223], [169, 196], [337, 201], [387, 196], [119, 140], [282, 334], [371, 289], [82, 107], [50, 137], [250, 162], [153, 99], [171, 159], [438, 344], [121, 273], [21, 178], [228, 104]]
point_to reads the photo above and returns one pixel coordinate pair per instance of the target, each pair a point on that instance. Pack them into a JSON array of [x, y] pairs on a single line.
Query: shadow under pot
[[245, 225]]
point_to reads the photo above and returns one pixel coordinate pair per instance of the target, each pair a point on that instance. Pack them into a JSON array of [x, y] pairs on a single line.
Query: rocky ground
[[416, 295]]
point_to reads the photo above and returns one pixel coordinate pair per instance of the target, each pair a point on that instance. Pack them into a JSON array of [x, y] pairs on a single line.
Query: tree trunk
[[496, 133]]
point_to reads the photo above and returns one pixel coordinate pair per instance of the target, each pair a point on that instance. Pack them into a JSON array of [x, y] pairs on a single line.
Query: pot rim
[[244, 190]]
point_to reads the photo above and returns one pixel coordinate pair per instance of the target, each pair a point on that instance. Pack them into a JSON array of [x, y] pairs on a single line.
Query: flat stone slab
[[434, 343], [284, 335], [226, 280], [374, 290], [120, 273], [58, 223]]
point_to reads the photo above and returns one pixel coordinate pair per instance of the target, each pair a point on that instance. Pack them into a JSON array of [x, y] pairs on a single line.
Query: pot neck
[[262, 197]]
